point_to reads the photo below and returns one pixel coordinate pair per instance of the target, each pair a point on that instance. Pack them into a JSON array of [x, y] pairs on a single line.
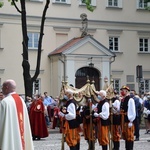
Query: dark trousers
[[137, 127]]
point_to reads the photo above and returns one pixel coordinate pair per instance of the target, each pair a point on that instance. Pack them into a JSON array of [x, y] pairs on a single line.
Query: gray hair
[[103, 92], [69, 92]]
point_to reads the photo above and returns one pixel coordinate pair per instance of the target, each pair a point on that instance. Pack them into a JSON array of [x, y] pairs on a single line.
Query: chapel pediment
[[82, 46]]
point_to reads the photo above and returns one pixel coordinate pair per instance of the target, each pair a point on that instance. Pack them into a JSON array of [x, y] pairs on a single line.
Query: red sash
[[19, 107]]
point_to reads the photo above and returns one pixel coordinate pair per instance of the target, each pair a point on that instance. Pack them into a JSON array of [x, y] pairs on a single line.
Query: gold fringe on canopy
[[80, 95], [88, 91]]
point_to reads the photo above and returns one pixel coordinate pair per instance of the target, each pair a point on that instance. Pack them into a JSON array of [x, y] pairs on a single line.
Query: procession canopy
[[81, 95], [109, 90]]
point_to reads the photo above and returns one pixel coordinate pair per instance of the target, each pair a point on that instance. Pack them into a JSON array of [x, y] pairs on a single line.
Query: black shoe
[[147, 131], [38, 138], [148, 140], [137, 139]]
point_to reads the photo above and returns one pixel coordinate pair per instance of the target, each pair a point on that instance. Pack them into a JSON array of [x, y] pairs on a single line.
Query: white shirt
[[71, 112], [131, 112], [105, 111]]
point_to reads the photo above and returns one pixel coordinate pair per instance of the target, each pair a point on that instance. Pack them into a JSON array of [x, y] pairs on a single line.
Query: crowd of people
[[105, 120]]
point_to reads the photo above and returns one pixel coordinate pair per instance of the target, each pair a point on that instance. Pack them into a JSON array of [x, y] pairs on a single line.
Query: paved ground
[[53, 142]]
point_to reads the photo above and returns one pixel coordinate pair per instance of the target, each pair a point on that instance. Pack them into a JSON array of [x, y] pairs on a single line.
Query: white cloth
[[130, 124], [71, 112], [96, 115], [116, 106], [131, 112], [61, 114], [105, 111], [10, 138]]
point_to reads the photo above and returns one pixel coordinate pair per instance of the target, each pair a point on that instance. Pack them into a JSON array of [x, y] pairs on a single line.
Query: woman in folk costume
[[71, 125], [128, 114], [37, 119], [103, 120]]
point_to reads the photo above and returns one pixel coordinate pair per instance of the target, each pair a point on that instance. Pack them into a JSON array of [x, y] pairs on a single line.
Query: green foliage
[[88, 5], [1, 4]]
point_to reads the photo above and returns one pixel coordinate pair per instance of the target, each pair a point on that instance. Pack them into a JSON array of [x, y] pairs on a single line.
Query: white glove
[[96, 114], [148, 112], [114, 110], [130, 124], [61, 114]]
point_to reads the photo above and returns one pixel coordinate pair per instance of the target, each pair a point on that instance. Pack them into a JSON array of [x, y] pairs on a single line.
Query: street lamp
[[91, 64]]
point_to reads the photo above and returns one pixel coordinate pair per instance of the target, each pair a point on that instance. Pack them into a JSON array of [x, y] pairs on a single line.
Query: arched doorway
[[81, 77]]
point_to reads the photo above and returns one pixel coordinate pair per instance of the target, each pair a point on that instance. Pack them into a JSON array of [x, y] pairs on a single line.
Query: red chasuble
[[37, 119]]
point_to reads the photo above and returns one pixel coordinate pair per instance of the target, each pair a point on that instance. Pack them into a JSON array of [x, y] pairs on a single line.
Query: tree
[[88, 5], [28, 80], [1, 4]]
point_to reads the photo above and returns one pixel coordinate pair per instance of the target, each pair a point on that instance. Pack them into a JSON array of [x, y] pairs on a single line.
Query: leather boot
[[127, 145], [130, 145], [90, 145], [116, 145], [78, 146], [104, 147], [72, 147]]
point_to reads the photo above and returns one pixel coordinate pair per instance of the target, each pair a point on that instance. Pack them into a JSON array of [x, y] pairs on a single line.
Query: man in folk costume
[[37, 119], [116, 121], [15, 132], [88, 125], [103, 121], [128, 114], [71, 125]]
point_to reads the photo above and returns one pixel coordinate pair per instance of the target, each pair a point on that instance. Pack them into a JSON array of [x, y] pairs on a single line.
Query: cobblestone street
[[53, 142]]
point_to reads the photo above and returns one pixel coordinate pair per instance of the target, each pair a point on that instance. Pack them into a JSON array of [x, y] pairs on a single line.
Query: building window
[[36, 0], [36, 86], [141, 4], [33, 40], [114, 44], [145, 86], [116, 84], [62, 1], [93, 2], [114, 3], [144, 45]]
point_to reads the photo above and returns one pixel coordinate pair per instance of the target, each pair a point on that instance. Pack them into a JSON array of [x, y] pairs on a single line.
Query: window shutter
[[93, 2], [53, 1], [120, 3], [106, 1], [68, 1], [137, 4], [80, 2]]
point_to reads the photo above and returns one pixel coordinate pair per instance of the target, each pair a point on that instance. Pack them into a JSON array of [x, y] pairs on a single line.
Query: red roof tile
[[66, 45]]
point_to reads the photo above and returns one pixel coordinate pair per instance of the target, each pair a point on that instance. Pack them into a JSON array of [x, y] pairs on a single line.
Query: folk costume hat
[[125, 87]]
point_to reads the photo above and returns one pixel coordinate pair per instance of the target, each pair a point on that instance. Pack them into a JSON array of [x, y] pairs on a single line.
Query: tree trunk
[[28, 80]]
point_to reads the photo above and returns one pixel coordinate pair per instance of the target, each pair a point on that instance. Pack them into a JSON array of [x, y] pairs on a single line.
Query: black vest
[[124, 107], [72, 123], [99, 107]]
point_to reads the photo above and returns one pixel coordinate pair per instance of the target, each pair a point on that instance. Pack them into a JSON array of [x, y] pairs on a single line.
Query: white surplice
[[10, 137]]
